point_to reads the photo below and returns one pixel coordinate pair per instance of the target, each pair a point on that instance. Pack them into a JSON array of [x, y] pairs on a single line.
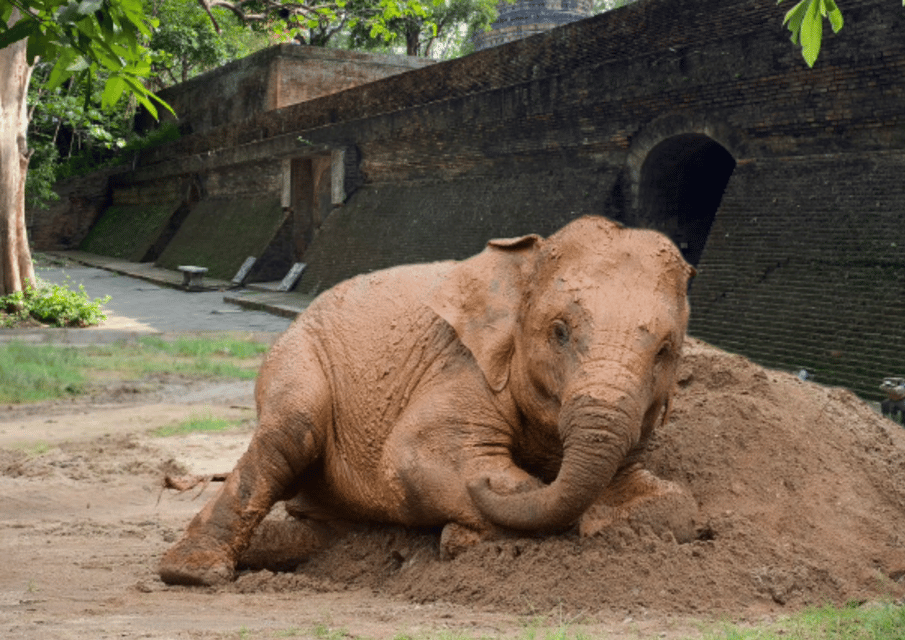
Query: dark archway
[[682, 183]]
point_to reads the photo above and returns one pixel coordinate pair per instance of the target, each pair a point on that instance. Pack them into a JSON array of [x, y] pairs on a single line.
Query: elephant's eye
[[560, 333]]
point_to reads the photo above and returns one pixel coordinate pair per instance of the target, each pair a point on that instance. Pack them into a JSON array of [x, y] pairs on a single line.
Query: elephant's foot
[[195, 561], [641, 500]]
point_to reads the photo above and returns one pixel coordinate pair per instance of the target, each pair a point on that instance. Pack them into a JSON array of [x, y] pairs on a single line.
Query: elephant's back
[[375, 308]]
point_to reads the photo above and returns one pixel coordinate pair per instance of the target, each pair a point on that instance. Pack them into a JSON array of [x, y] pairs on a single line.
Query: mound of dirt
[[802, 498]]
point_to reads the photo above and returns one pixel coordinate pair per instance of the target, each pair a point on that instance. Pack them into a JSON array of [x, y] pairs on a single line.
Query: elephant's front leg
[[505, 478], [432, 457], [637, 497], [288, 439]]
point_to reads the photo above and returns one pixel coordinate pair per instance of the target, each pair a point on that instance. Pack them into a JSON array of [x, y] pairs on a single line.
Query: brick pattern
[[65, 223], [388, 224], [805, 268], [271, 79]]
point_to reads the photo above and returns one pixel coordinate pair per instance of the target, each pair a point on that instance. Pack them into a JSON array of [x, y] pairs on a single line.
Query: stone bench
[[192, 277]]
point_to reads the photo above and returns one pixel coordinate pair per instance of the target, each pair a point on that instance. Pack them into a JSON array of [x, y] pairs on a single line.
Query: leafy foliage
[[83, 37], [41, 175], [805, 22], [186, 42], [53, 304], [68, 127], [315, 22], [451, 24]]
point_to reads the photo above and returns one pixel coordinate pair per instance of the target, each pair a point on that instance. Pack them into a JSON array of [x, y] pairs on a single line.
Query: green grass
[[198, 347], [853, 622], [31, 373], [220, 357], [197, 423]]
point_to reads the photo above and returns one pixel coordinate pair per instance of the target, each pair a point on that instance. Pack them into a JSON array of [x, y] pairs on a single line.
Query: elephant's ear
[[480, 298]]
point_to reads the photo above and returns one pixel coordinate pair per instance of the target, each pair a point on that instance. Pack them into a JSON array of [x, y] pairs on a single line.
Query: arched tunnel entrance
[[682, 183]]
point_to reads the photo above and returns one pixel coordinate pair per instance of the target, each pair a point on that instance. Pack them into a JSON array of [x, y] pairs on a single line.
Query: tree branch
[[207, 9]]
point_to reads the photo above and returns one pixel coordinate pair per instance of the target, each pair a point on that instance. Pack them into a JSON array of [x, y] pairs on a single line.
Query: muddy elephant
[[510, 392]]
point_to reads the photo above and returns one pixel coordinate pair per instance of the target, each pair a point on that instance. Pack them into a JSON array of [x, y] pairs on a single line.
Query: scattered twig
[[187, 483]]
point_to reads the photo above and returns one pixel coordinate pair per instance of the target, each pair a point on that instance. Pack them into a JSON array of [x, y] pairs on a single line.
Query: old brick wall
[[65, 222], [524, 137], [270, 79], [729, 61], [805, 267]]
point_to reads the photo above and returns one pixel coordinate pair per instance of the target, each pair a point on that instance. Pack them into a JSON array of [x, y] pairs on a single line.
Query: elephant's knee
[[279, 453]]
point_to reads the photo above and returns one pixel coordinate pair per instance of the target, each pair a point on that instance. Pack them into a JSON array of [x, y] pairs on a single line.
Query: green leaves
[[19, 31], [84, 36], [805, 22]]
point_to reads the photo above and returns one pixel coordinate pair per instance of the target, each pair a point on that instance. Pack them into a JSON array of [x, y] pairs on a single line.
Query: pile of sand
[[802, 501]]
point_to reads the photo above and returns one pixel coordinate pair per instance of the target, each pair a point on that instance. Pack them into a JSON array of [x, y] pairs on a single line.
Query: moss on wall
[[128, 231], [220, 234]]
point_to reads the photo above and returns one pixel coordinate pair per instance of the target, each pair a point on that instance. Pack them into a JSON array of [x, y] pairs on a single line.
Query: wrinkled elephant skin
[[509, 392]]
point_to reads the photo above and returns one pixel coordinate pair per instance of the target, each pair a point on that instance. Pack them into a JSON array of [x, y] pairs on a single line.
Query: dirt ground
[[801, 491]]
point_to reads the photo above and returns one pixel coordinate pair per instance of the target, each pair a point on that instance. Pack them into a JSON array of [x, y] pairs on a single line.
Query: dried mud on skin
[[802, 501]]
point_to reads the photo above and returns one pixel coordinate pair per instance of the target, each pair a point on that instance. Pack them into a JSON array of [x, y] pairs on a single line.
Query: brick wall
[[729, 60], [66, 221], [270, 79], [523, 137], [809, 271]]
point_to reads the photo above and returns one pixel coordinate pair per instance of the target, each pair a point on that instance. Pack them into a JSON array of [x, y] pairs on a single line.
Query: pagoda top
[[524, 18]]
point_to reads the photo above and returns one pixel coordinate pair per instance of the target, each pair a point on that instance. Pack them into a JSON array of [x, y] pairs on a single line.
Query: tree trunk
[[412, 40], [15, 257]]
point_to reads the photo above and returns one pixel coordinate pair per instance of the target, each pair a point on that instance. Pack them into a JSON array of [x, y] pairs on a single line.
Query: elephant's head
[[584, 329]]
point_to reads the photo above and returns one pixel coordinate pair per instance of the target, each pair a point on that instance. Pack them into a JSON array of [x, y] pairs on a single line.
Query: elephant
[[510, 393]]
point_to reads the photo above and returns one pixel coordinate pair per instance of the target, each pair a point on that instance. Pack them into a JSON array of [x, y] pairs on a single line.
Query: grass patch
[[220, 357], [198, 347], [32, 373], [36, 449], [196, 424], [852, 622]]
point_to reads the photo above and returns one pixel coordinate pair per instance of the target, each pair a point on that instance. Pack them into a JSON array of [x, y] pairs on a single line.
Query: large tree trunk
[[15, 257]]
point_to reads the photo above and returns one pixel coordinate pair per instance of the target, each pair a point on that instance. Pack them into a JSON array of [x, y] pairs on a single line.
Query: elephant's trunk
[[597, 436]]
